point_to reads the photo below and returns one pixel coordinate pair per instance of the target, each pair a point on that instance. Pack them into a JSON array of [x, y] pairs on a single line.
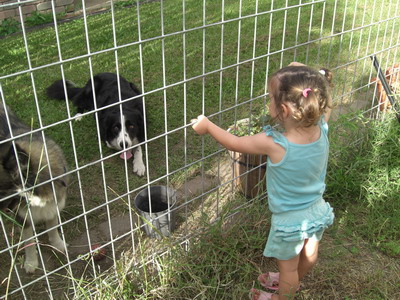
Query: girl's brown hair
[[288, 86]]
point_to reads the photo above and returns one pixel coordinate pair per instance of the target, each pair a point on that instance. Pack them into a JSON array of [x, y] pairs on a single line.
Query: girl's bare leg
[[308, 257], [293, 270], [288, 278]]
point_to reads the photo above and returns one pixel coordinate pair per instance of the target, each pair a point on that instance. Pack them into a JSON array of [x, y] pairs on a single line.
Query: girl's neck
[[301, 135]]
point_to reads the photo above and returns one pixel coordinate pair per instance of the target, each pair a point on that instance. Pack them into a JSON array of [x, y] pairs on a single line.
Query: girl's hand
[[200, 124]]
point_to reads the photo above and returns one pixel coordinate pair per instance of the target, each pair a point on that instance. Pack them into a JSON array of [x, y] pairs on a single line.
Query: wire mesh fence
[[70, 176]]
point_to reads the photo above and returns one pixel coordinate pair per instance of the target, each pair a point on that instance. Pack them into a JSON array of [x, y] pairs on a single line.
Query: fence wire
[[187, 57]]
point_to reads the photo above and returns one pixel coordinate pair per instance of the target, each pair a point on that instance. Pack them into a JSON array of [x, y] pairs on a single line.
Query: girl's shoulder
[[276, 134], [278, 143]]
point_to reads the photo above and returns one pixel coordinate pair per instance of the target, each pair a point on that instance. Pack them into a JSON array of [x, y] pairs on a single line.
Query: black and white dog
[[118, 130], [25, 186]]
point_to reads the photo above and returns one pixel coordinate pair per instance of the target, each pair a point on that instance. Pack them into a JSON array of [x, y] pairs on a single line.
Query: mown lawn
[[219, 66]]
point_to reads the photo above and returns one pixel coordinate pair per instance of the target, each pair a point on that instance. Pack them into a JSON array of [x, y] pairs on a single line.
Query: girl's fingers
[[197, 120], [200, 124]]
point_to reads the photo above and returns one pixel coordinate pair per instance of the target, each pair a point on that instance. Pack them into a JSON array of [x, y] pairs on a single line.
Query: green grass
[[358, 255], [364, 180], [223, 261], [363, 183]]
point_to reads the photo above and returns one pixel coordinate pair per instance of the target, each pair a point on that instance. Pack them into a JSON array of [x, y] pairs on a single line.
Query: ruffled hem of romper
[[298, 232]]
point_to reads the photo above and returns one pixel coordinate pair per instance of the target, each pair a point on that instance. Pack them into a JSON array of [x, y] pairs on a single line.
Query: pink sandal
[[269, 280], [260, 295]]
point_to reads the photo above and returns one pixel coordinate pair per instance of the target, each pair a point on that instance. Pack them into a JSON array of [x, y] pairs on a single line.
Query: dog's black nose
[[122, 145]]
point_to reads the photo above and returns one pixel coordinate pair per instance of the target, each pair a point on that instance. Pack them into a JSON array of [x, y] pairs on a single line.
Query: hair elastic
[[305, 92]]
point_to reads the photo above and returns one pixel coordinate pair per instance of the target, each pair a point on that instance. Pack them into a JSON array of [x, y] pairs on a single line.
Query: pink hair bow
[[306, 91]]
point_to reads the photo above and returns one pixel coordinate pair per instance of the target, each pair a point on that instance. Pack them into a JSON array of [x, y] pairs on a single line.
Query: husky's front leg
[[138, 165], [31, 259], [54, 237]]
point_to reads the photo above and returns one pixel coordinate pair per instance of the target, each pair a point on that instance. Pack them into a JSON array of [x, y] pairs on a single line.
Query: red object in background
[[98, 253], [392, 76]]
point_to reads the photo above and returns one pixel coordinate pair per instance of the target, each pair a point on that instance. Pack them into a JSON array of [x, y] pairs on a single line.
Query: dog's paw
[[30, 265], [78, 117], [139, 168]]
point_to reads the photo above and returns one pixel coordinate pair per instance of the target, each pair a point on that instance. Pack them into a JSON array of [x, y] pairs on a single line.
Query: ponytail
[[307, 108], [306, 90]]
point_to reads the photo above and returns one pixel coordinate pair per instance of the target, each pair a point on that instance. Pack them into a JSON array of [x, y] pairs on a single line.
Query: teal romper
[[295, 188]]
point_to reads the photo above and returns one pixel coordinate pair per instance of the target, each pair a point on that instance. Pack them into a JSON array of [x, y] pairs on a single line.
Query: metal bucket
[[161, 221]]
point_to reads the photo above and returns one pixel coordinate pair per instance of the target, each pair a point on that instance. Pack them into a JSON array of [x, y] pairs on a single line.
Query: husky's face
[[20, 175]]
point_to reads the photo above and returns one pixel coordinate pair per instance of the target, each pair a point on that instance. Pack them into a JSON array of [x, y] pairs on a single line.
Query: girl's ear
[[285, 110]]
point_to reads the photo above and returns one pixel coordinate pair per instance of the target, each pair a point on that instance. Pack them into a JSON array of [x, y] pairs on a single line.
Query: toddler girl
[[296, 169]]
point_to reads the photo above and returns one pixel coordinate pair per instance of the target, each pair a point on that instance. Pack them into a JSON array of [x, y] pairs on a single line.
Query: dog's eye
[[116, 129], [131, 126]]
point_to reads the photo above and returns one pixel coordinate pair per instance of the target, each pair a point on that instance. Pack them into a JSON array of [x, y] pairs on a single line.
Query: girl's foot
[[260, 295], [269, 280]]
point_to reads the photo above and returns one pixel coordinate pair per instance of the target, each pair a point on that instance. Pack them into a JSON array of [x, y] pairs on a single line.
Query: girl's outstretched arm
[[256, 144]]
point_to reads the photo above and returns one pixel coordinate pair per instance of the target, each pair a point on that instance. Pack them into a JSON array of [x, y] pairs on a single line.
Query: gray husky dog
[[31, 185]]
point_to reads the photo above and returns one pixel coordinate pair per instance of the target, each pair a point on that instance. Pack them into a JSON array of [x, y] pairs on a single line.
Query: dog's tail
[[56, 90]]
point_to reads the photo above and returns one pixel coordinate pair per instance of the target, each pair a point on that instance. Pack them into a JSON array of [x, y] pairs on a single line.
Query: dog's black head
[[119, 130], [123, 130]]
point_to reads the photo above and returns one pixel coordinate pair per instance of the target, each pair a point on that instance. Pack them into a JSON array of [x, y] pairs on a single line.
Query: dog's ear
[[135, 89], [107, 123], [4, 149], [9, 159], [138, 104]]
